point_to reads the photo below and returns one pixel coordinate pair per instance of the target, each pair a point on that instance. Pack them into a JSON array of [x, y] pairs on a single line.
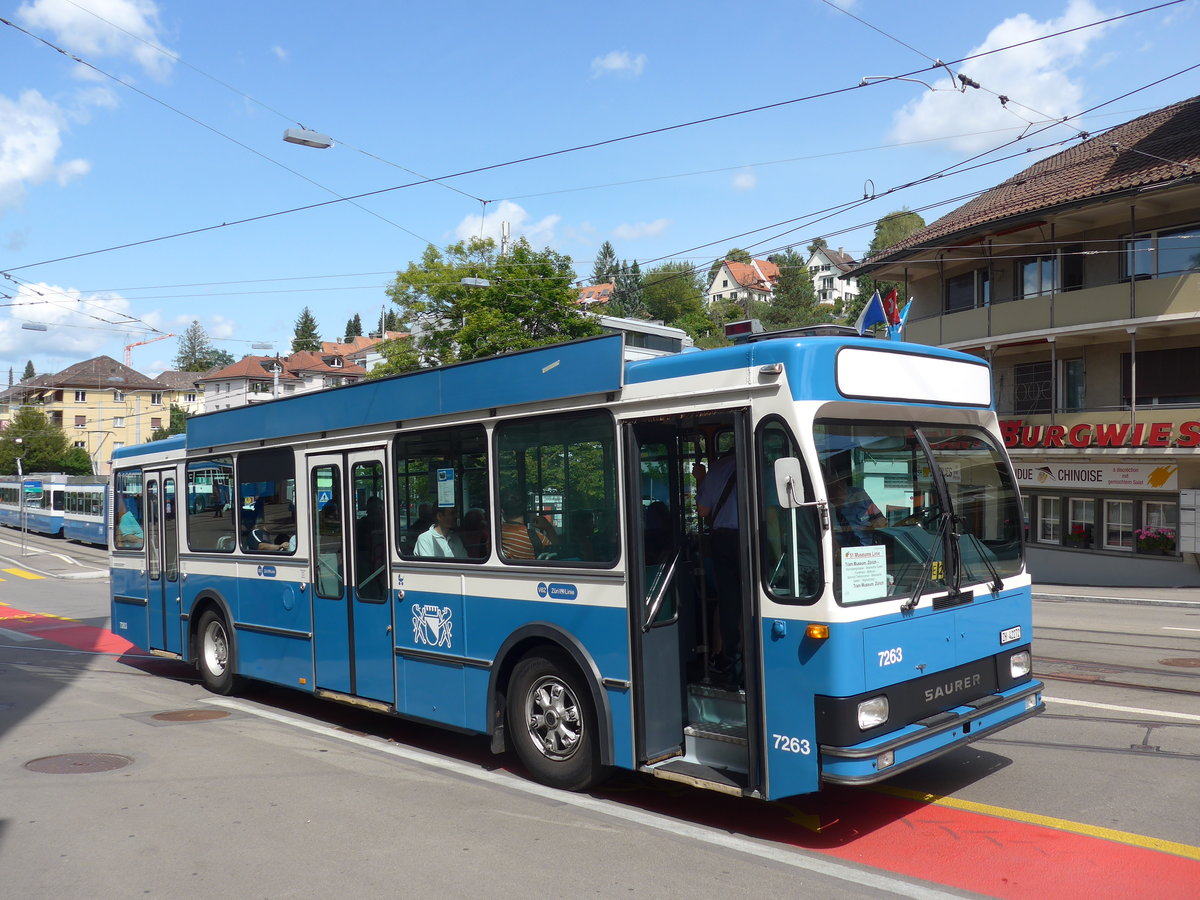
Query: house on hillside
[[1078, 279], [832, 281], [254, 379], [744, 283], [596, 294]]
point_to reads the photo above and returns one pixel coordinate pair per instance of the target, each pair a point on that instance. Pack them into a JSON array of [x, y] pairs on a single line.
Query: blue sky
[[87, 163]]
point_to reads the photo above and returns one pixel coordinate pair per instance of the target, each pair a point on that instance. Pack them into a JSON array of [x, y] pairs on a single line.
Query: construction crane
[[129, 347]]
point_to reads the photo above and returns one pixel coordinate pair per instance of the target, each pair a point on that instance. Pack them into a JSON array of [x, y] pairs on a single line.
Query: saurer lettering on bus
[[952, 687]]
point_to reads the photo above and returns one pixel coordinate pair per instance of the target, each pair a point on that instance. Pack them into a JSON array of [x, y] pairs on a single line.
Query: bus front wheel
[[552, 723], [214, 653]]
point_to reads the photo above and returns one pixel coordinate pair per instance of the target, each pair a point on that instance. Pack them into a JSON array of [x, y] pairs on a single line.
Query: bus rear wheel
[[214, 653], [552, 722]]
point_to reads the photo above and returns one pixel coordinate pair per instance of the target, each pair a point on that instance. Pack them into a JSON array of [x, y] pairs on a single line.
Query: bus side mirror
[[789, 482]]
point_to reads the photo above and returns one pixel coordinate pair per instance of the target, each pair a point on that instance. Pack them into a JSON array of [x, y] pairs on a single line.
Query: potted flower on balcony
[[1078, 536], [1155, 541]]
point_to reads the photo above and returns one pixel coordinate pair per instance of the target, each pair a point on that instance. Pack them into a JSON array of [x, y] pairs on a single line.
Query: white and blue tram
[[41, 495], [85, 510], [512, 546]]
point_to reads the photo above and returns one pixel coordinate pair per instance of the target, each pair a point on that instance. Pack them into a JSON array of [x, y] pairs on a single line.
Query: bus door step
[[711, 778], [720, 744], [712, 705]]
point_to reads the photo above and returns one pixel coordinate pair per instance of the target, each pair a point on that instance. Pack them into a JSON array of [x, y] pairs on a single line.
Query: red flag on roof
[[891, 308]]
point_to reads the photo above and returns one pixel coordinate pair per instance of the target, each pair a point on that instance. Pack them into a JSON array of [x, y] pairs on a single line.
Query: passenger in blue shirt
[[854, 513]]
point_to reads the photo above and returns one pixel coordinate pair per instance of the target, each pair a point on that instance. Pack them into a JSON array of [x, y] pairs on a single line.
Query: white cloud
[[539, 233], [30, 140], [1034, 76], [70, 336], [745, 181], [280, 53], [94, 36], [630, 232], [619, 62]]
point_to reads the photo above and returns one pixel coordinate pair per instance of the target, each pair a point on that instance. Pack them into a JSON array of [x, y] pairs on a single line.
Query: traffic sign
[[33, 487]]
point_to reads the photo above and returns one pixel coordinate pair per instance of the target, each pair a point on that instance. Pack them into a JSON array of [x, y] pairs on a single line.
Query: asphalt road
[[272, 794]]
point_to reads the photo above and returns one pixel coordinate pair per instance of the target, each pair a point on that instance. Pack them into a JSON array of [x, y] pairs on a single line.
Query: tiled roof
[[1156, 148], [843, 261], [344, 348], [308, 361], [247, 367], [759, 274], [596, 293], [179, 381], [99, 373]]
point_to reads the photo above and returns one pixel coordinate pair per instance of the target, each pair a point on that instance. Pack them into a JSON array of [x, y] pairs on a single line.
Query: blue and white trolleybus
[[518, 546]]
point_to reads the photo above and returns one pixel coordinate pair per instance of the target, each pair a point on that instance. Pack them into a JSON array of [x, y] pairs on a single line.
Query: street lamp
[[307, 138]]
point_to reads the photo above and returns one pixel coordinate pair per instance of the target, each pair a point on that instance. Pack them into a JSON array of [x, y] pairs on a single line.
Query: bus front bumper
[[887, 755]]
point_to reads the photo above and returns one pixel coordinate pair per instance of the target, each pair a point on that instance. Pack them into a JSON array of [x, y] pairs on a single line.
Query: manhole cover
[[1183, 662], [78, 763], [190, 715]]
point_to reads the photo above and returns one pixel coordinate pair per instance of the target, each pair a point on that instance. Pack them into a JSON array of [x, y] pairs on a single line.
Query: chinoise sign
[[1101, 434]]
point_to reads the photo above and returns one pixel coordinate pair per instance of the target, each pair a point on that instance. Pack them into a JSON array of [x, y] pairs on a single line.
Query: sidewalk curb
[[1136, 601]]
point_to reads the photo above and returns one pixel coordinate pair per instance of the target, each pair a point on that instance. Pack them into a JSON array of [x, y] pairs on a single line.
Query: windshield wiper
[[997, 584], [911, 603]]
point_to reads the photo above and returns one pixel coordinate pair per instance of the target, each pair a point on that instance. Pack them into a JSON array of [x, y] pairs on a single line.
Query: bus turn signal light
[[817, 632]]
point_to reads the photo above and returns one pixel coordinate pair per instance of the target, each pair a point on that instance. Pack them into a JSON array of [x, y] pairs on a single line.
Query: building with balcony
[[832, 282], [1078, 279]]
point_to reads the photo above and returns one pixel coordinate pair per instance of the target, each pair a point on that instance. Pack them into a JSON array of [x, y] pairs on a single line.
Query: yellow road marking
[[21, 573], [1108, 834]]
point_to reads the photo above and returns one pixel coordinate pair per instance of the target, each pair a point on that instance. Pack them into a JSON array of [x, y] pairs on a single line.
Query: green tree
[[817, 244], [354, 327], [528, 301], [391, 322], [795, 301], [735, 254], [399, 356], [29, 372], [627, 298], [197, 353], [177, 424], [305, 336], [41, 445], [890, 230], [605, 268], [76, 462], [673, 292]]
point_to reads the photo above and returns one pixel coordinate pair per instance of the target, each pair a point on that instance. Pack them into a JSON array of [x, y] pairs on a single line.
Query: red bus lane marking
[[67, 632], [972, 851]]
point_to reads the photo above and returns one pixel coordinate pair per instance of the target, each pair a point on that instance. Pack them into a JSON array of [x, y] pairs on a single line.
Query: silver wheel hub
[[553, 718], [216, 648]]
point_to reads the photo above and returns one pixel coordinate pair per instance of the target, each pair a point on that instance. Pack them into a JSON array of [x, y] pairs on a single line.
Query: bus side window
[[789, 538]]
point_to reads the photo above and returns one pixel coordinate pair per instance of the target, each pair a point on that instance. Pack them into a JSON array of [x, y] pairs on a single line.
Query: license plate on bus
[[1008, 635]]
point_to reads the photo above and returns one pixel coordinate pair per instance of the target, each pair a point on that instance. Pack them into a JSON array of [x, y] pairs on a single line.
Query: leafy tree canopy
[[673, 292], [627, 298], [306, 336], [817, 244], [176, 425], [529, 301], [42, 446], [891, 229], [795, 303]]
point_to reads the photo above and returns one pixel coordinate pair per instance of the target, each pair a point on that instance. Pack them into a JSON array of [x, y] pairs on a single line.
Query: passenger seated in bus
[[521, 539], [287, 546], [441, 541], [129, 529], [474, 533], [425, 520]]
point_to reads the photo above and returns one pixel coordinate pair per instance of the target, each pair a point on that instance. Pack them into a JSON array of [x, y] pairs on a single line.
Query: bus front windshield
[[895, 524]]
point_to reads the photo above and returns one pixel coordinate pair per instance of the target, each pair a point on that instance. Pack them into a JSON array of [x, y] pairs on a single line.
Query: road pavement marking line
[[1126, 709], [21, 573], [1098, 831], [795, 857], [18, 635], [1177, 628]]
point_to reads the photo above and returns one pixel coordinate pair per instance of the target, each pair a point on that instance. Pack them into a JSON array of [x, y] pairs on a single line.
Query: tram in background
[[85, 510], [518, 546], [43, 498]]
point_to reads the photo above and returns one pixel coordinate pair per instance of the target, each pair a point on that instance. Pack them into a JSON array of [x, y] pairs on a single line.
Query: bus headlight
[[1019, 664], [872, 712]]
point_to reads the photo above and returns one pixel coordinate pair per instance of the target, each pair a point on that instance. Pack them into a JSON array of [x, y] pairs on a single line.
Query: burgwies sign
[[1101, 434]]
